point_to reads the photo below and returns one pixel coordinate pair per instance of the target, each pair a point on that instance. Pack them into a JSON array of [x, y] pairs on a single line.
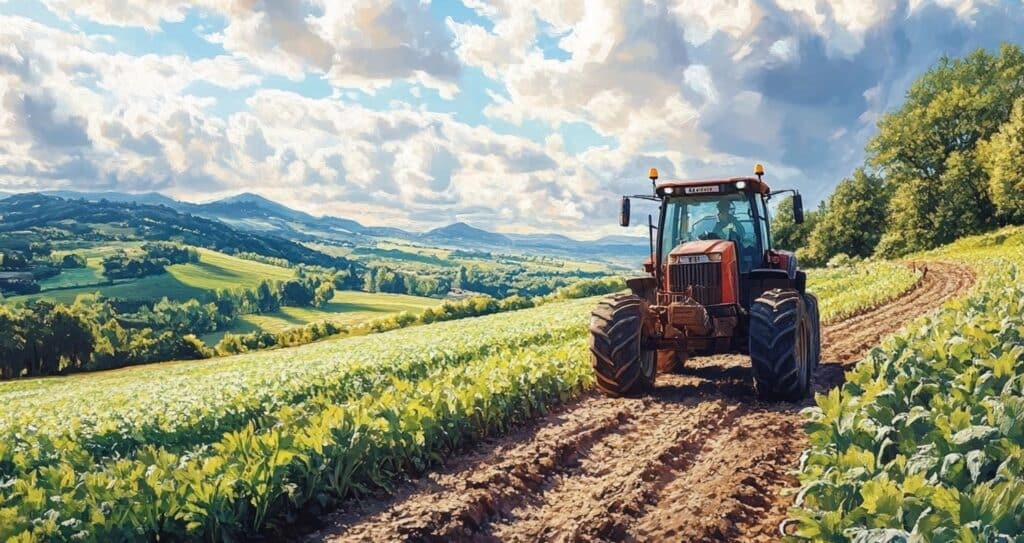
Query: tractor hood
[[701, 247]]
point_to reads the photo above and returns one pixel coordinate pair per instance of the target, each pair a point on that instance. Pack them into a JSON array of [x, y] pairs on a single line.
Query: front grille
[[705, 278]]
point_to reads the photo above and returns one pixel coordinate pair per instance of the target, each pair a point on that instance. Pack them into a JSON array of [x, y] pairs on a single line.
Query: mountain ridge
[[253, 212]]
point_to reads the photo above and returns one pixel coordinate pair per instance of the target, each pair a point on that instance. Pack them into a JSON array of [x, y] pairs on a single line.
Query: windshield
[[720, 216]]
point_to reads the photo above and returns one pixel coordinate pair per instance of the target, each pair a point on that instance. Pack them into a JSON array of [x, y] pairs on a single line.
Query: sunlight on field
[[181, 282], [347, 307], [848, 290]]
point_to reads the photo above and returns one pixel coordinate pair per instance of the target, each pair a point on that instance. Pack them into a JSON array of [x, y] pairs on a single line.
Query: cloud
[[38, 118], [697, 89], [141, 13], [363, 44]]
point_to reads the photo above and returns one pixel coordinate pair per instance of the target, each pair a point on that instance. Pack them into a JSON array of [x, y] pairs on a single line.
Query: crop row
[[848, 290], [313, 453], [924, 441]]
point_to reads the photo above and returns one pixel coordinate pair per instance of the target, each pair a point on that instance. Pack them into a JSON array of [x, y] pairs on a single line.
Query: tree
[[786, 233], [72, 260], [1002, 158], [461, 279], [927, 150], [12, 344], [266, 299], [72, 338], [370, 283], [324, 294], [851, 221], [296, 293]]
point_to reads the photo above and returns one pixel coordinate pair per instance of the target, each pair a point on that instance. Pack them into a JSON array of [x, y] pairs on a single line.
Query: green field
[[220, 271], [181, 282], [925, 441], [204, 451], [252, 428], [347, 307], [847, 290]]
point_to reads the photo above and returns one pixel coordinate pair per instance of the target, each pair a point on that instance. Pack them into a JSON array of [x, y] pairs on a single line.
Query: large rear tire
[[780, 345], [814, 319], [622, 366]]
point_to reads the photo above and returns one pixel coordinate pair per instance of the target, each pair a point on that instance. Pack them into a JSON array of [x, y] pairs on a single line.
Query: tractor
[[713, 284]]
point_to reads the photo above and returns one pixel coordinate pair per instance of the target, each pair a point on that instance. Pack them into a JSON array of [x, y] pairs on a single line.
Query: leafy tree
[[851, 221], [12, 344], [370, 283], [324, 294], [295, 292], [927, 150], [786, 233], [266, 299], [72, 260], [1002, 158]]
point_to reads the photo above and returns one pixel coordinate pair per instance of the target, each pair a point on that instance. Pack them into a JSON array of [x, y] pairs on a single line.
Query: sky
[[509, 115]]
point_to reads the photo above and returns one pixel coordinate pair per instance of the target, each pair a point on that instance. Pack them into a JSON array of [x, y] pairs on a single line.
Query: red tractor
[[713, 284]]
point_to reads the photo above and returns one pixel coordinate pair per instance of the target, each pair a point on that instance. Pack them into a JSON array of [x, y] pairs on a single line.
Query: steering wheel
[[709, 235]]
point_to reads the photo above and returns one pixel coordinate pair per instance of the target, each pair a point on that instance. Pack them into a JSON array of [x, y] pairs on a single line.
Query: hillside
[[181, 282], [33, 216], [254, 213]]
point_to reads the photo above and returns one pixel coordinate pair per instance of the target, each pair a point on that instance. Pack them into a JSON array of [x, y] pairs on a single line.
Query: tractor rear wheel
[[780, 345], [811, 302], [622, 366]]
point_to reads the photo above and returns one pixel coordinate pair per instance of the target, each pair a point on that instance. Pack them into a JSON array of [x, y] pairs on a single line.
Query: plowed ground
[[699, 459]]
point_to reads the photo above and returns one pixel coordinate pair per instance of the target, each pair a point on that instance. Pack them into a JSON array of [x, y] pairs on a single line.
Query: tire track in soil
[[698, 459]]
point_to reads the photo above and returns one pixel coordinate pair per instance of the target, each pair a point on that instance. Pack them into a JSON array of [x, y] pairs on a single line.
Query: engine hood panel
[[701, 247]]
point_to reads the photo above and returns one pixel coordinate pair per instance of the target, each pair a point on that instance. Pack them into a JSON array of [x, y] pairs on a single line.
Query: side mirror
[[624, 212], [798, 209]]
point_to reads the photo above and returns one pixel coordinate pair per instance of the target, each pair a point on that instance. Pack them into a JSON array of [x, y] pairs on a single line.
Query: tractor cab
[[736, 216]]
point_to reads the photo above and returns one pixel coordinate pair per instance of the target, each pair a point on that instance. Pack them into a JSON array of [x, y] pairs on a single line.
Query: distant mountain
[[462, 233], [622, 240], [149, 198], [251, 205], [253, 213]]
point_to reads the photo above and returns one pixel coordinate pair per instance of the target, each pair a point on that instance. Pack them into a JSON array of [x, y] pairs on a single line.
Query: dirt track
[[699, 459]]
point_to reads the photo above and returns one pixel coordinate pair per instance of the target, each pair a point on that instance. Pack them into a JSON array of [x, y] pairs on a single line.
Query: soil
[[698, 459]]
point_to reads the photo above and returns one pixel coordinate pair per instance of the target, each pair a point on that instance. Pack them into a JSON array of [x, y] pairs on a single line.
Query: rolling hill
[[255, 214], [26, 215]]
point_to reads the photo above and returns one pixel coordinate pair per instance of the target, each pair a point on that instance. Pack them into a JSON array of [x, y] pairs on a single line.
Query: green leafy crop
[[925, 441]]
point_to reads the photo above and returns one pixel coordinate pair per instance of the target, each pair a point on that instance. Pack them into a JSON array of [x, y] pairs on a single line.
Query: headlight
[[669, 190], [740, 185]]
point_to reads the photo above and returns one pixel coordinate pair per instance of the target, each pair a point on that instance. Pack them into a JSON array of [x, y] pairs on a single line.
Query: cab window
[[719, 216]]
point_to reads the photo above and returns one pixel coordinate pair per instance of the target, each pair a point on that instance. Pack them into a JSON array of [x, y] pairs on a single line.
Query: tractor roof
[[753, 184]]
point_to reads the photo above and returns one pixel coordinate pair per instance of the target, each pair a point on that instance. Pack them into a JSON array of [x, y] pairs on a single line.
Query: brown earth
[[698, 459]]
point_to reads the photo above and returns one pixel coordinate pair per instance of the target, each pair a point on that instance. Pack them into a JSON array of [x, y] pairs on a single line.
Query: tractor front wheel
[[781, 345], [622, 366]]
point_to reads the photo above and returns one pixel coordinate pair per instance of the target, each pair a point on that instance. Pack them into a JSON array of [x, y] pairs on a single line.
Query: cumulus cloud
[[355, 43], [696, 89]]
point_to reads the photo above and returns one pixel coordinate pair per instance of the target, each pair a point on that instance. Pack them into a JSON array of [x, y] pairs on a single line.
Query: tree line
[[948, 163], [153, 260], [45, 338]]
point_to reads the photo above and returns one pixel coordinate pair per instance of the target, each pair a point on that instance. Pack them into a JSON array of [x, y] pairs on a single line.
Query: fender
[[645, 287], [782, 260]]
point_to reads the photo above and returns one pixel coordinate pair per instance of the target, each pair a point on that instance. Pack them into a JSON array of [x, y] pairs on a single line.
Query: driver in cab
[[727, 226]]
